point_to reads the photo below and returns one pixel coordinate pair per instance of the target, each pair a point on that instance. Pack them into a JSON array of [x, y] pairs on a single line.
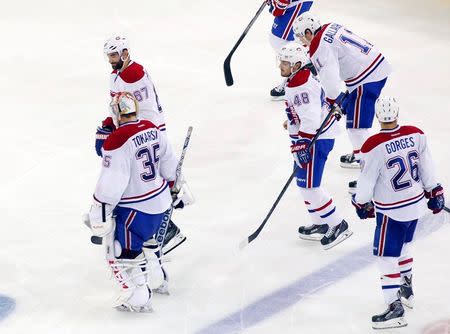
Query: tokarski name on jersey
[[399, 144], [145, 137]]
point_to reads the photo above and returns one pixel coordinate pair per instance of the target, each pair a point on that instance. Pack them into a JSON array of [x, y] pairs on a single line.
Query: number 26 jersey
[[396, 168]]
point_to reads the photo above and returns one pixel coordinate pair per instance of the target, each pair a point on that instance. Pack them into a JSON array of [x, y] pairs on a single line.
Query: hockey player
[[340, 55], [284, 12], [397, 174], [127, 75], [306, 110], [130, 199]]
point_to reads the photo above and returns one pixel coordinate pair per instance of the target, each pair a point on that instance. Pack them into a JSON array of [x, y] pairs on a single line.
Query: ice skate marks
[[7, 305], [307, 286]]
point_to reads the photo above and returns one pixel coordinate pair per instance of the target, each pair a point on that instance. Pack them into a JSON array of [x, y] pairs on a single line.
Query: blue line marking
[[7, 305], [304, 287]]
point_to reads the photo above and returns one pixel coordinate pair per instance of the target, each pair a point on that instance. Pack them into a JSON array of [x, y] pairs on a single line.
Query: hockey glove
[[365, 210], [102, 133], [99, 227], [181, 195], [300, 151], [340, 102], [436, 200]]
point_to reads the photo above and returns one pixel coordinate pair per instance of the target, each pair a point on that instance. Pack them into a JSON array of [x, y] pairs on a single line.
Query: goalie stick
[[226, 65], [161, 234], [334, 111], [168, 213]]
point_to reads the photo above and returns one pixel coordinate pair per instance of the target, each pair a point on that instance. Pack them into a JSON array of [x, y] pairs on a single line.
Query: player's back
[[145, 161], [306, 110], [359, 61], [136, 80], [399, 155]]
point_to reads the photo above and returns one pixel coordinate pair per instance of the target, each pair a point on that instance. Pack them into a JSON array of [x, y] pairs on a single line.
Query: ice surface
[[54, 90]]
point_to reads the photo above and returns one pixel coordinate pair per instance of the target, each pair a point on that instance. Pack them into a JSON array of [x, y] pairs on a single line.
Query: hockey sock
[[320, 206], [357, 138], [405, 262], [390, 278]]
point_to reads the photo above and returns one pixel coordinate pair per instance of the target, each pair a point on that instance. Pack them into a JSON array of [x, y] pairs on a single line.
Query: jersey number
[[356, 41], [303, 98], [403, 167], [149, 161]]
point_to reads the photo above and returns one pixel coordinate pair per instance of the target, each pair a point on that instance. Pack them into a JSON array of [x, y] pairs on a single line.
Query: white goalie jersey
[[396, 169], [137, 164], [306, 108], [136, 80], [339, 55]]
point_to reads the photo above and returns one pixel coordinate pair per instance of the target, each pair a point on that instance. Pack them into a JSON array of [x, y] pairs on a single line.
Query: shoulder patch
[[300, 78], [316, 40], [134, 72], [119, 137]]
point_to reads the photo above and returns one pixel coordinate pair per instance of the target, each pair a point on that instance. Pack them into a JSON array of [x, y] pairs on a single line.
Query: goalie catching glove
[[181, 194], [101, 225]]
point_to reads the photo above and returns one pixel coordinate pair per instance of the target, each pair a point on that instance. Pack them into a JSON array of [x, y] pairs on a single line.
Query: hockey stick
[[226, 64], [446, 209], [334, 111], [161, 234]]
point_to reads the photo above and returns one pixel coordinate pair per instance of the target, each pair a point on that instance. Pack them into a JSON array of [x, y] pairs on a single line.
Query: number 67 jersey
[[396, 168], [137, 164]]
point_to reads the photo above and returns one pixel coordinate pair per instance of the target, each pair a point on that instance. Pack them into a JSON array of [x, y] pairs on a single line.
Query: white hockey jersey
[[396, 168], [137, 164], [339, 55], [306, 108], [136, 80]]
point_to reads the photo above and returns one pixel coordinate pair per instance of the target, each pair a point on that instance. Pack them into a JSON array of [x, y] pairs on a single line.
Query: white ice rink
[[54, 91]]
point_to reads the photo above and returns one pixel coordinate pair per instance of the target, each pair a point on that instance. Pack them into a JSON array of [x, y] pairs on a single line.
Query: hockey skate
[[352, 187], [350, 161], [406, 294], [278, 92], [126, 307], [173, 238], [313, 232], [391, 318], [335, 235]]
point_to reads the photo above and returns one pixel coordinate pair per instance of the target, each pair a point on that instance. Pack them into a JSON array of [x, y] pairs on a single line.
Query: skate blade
[[278, 98], [345, 235], [311, 237], [352, 191], [134, 309], [409, 303], [393, 323], [174, 243], [350, 165]]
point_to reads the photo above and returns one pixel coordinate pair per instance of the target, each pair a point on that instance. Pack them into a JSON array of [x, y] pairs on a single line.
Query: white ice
[[54, 91]]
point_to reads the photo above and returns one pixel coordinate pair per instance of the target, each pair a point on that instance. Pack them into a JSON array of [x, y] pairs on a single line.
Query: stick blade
[[227, 72], [243, 244], [96, 240]]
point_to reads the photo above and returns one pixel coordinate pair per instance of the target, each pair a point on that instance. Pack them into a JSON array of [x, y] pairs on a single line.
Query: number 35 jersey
[[339, 55], [136, 80], [396, 168], [137, 164]]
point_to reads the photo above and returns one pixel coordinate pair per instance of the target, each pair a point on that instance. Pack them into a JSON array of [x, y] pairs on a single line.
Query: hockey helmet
[[293, 53], [124, 103], [116, 44], [386, 109], [306, 21]]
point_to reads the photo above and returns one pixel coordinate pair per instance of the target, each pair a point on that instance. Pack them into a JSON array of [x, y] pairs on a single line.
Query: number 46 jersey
[[396, 168], [137, 164], [135, 79]]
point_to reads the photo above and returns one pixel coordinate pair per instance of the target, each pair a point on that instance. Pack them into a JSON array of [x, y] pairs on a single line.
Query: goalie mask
[[123, 103]]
